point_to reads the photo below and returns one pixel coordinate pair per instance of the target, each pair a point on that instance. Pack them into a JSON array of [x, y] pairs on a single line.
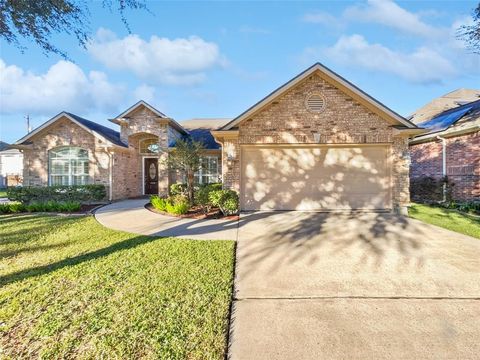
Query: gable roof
[[339, 82], [137, 105], [157, 112], [104, 133]]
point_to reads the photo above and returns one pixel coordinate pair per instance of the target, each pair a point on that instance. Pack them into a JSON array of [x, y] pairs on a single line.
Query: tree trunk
[[190, 185]]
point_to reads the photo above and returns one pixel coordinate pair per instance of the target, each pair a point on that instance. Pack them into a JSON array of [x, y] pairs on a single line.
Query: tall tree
[[37, 20], [471, 33], [186, 158]]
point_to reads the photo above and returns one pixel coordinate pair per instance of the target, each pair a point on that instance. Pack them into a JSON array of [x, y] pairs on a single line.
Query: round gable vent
[[315, 103]]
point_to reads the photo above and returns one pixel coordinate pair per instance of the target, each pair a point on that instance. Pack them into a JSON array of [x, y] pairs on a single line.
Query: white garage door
[[315, 178]]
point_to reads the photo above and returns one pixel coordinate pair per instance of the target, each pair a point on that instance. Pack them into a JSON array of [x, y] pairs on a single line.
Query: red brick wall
[[463, 163]]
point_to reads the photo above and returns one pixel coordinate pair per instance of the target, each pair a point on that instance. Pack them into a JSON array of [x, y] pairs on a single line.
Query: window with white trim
[[208, 172], [68, 166]]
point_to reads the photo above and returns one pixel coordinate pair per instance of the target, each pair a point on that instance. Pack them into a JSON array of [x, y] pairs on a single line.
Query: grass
[[70, 288], [446, 218], [3, 193]]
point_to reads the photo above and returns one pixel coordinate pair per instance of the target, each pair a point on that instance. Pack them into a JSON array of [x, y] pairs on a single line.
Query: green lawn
[[448, 219], [3, 193], [70, 288]]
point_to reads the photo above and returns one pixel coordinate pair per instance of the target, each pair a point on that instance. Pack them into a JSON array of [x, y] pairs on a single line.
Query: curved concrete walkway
[[131, 216]]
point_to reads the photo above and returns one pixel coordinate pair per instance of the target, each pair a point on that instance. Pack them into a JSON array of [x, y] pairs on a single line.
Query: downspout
[[444, 165]]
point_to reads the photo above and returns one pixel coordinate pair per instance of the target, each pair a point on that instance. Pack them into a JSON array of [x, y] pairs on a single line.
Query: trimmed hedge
[[48, 206], [79, 193], [428, 189]]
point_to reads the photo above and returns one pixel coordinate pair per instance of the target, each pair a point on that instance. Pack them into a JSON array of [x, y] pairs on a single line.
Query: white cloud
[[388, 13], [144, 92], [323, 18], [423, 65], [181, 61], [63, 87]]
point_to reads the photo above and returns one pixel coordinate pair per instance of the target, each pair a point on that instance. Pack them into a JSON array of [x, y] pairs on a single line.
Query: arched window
[[149, 146], [68, 166]]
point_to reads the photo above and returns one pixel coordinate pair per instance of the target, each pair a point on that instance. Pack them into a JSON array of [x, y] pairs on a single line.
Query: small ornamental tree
[[186, 158]]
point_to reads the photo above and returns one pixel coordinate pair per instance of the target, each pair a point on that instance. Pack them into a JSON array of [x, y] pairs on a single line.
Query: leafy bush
[[178, 189], [79, 193], [202, 195], [177, 205], [36, 206], [427, 189], [226, 200], [12, 208], [158, 202], [468, 206]]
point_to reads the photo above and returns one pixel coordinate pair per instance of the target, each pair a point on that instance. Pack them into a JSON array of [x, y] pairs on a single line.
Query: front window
[[68, 166], [149, 146], [208, 172]]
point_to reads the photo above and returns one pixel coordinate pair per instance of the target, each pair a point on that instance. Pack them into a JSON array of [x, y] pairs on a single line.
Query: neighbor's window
[[208, 172], [149, 146], [68, 166]]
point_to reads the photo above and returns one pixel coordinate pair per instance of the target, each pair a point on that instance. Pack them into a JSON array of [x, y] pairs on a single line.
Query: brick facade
[[64, 133], [462, 163], [287, 120]]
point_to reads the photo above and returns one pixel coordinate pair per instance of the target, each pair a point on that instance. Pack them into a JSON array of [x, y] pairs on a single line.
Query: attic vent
[[315, 103]]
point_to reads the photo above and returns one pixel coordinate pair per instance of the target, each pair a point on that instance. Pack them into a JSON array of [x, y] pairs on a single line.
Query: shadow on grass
[[46, 269]]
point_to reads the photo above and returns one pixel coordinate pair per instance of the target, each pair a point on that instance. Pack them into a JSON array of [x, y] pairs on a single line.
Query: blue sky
[[215, 59]]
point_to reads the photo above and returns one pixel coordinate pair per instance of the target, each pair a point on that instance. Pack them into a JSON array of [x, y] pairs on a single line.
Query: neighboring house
[[451, 146], [316, 143], [11, 166]]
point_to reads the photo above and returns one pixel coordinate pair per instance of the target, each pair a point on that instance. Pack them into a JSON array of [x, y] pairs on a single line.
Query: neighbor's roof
[[443, 103], [95, 129], [461, 119], [199, 130], [339, 82], [3, 145]]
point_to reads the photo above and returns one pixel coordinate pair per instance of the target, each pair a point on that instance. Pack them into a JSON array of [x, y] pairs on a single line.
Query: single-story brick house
[[450, 147], [316, 143]]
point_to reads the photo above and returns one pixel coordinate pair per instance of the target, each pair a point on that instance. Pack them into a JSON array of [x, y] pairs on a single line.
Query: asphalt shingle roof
[[109, 134]]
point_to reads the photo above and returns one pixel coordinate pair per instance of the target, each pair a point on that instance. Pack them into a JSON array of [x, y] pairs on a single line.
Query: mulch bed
[[195, 213]]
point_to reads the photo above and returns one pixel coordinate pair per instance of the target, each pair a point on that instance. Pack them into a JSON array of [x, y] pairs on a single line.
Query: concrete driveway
[[364, 285]]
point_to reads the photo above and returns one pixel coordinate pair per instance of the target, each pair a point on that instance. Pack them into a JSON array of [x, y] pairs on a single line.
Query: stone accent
[[144, 123], [463, 163], [64, 133], [343, 121]]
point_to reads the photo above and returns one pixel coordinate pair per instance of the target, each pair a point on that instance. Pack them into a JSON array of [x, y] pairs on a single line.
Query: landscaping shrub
[[202, 195], [177, 205], [37, 206], [467, 207], [158, 202], [79, 193], [226, 200], [428, 189], [178, 189], [12, 208]]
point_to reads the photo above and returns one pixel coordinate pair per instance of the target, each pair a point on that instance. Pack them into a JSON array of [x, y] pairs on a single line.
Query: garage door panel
[[327, 178]]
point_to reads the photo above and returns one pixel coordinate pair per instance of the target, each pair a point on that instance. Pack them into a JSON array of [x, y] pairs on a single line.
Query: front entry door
[[150, 176]]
